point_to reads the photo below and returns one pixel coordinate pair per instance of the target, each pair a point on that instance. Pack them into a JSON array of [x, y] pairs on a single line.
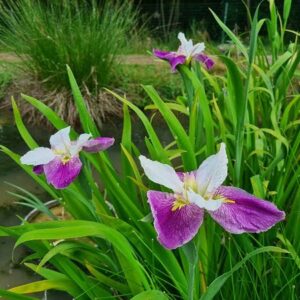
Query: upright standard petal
[[182, 38], [174, 228], [172, 57], [212, 172], [60, 141], [245, 213], [59, 174], [162, 174], [209, 63], [76, 146], [186, 48], [37, 156], [197, 49], [98, 144]]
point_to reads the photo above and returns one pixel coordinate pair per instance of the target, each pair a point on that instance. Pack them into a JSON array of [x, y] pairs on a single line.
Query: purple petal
[[98, 144], [172, 57], [209, 63], [39, 169], [163, 54], [59, 174], [247, 214], [174, 228]]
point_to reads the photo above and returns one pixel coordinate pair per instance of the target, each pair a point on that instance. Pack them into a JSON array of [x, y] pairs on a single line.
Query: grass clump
[[82, 34]]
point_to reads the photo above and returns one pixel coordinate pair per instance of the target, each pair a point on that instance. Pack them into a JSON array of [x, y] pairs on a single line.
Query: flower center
[[188, 60], [65, 158], [181, 200], [189, 183]]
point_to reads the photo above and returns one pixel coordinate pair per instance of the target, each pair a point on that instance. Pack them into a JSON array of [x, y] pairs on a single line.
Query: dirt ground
[[9, 57], [135, 59]]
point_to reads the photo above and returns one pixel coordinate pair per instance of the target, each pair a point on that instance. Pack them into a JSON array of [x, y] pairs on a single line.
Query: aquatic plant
[[179, 215], [110, 248], [185, 53], [61, 164]]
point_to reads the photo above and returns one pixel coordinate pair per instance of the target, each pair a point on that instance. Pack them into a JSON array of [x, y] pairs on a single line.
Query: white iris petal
[[212, 172], [38, 156], [197, 199], [60, 141], [162, 174], [198, 49], [77, 145], [187, 48]]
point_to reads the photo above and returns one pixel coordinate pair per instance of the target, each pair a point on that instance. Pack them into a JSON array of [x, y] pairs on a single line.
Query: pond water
[[12, 273]]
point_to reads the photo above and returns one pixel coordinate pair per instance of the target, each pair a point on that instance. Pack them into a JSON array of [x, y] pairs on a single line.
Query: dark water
[[12, 273]]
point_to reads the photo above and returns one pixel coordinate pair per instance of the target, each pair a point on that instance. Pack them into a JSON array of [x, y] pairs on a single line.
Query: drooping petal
[[212, 172], [172, 57], [209, 62], [209, 204], [174, 228], [247, 213], [98, 144], [162, 54], [37, 156], [60, 141], [39, 169], [162, 174], [60, 174], [176, 60], [76, 146]]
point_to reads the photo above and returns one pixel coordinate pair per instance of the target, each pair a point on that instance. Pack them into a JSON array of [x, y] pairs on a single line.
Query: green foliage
[[5, 79], [131, 76], [254, 108], [82, 34]]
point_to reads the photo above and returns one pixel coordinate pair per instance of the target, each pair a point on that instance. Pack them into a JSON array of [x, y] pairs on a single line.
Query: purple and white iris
[[185, 54], [61, 163], [179, 215]]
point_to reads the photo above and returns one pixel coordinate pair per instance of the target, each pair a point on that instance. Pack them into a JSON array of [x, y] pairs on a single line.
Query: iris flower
[[179, 215], [185, 54], [61, 163]]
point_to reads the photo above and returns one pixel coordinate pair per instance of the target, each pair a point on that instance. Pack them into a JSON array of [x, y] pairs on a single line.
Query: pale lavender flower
[[179, 215], [61, 163], [185, 53]]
